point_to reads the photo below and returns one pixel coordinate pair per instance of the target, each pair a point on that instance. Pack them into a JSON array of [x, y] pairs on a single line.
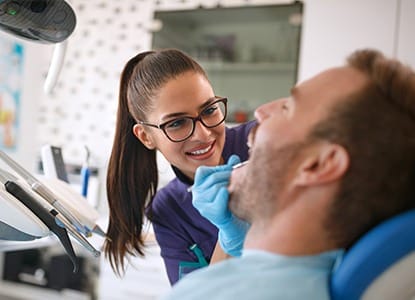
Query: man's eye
[[284, 106]]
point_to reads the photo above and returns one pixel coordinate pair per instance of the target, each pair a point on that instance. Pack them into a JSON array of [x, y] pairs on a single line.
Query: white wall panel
[[333, 29], [82, 109], [30, 85], [405, 49]]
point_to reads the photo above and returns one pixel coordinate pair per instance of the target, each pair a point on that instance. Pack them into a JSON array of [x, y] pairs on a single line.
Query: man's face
[[279, 143]]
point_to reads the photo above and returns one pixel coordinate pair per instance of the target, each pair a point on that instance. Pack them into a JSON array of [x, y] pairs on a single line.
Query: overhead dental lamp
[[43, 21]]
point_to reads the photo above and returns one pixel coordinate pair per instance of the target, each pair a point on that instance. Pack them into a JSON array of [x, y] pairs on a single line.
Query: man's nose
[[265, 110], [261, 112]]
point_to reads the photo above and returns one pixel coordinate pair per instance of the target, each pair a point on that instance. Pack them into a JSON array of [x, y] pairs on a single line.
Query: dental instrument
[[53, 163], [237, 166], [57, 179], [45, 215], [39, 188], [71, 223], [19, 217], [85, 172]]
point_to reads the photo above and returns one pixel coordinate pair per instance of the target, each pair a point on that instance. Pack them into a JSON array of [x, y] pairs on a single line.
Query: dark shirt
[[177, 224]]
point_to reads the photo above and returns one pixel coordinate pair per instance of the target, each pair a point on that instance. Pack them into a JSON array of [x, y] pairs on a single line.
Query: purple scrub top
[[178, 225]]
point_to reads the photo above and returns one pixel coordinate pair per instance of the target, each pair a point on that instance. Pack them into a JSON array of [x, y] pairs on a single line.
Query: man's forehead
[[331, 84]]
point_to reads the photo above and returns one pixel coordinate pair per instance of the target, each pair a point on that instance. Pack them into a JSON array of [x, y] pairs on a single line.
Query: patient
[[327, 164]]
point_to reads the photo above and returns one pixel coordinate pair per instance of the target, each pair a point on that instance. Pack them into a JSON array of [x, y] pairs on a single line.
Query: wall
[[29, 100], [333, 29], [81, 111], [405, 45]]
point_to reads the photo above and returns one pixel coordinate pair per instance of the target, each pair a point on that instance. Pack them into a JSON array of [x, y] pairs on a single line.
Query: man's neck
[[296, 230]]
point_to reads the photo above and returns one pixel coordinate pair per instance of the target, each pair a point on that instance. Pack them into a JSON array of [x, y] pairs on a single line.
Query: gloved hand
[[210, 198]]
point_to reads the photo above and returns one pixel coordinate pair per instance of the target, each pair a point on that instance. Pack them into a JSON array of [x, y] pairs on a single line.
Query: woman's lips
[[201, 152]]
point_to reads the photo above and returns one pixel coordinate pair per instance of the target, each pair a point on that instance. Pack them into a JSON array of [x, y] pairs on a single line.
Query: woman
[[166, 103]]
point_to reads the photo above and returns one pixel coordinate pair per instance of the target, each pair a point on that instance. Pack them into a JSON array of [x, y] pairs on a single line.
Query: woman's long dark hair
[[132, 175]]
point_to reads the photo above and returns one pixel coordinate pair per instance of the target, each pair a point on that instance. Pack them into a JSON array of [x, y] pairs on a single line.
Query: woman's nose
[[200, 130]]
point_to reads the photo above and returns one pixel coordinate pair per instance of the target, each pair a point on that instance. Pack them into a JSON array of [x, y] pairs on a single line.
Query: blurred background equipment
[[43, 21]]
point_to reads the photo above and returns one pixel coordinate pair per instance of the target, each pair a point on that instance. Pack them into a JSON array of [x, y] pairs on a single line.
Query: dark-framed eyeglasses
[[180, 129]]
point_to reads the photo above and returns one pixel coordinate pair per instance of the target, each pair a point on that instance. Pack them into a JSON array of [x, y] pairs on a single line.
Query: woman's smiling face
[[184, 96]]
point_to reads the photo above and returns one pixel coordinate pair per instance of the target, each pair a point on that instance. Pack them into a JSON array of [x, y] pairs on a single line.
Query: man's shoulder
[[259, 276]]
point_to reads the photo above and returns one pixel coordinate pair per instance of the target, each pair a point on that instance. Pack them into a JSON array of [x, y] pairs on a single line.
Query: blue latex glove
[[210, 198]]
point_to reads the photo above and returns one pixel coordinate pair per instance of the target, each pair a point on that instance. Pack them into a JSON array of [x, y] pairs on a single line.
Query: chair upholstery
[[381, 265]]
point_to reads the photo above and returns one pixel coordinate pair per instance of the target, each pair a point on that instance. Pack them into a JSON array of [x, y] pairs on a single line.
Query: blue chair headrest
[[372, 255]]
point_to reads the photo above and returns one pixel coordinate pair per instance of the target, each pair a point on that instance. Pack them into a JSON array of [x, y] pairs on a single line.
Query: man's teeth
[[201, 151]]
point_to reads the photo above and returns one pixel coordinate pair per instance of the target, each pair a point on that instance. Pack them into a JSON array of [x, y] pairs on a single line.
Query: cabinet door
[[405, 49], [250, 53]]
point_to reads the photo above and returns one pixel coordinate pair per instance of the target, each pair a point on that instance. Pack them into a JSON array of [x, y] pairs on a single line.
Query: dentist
[[166, 103]]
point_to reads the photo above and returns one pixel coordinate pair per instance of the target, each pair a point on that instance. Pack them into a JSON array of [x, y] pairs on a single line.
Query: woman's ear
[[325, 163], [143, 136]]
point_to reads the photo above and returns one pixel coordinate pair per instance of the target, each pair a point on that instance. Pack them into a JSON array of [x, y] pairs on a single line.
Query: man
[[327, 164]]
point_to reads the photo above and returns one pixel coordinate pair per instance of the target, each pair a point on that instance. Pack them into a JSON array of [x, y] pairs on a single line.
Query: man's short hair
[[377, 127]]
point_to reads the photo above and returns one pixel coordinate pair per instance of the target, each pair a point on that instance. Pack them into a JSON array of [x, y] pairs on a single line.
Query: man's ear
[[326, 163], [143, 136]]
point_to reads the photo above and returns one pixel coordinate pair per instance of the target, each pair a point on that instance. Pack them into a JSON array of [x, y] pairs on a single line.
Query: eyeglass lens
[[211, 116]]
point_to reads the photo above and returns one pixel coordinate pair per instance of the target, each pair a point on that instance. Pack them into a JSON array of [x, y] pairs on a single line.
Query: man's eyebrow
[[294, 91], [181, 114]]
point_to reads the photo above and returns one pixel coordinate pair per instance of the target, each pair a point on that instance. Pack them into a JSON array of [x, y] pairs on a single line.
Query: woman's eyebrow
[[181, 114], [173, 115], [208, 102]]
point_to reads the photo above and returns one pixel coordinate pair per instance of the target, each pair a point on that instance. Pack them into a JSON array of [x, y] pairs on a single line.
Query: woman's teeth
[[201, 151]]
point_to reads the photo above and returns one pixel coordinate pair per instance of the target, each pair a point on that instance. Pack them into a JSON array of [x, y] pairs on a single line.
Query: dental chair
[[381, 265]]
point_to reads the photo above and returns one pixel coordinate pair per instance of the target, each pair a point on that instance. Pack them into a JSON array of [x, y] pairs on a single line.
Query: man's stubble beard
[[257, 195]]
